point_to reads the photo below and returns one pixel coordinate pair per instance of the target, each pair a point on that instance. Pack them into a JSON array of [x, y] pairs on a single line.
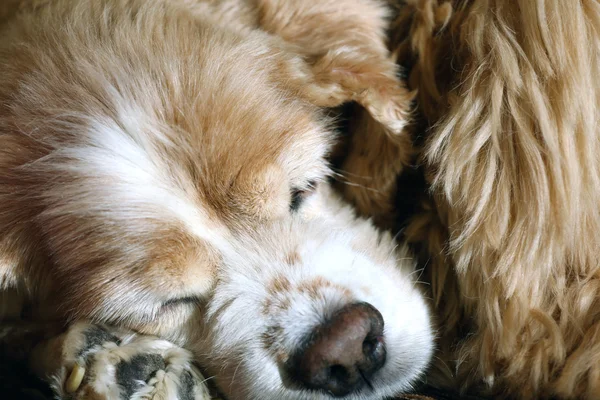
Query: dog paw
[[390, 106], [96, 362]]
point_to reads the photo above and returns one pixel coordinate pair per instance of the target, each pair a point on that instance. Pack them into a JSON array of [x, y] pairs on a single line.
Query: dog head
[[173, 179], [315, 306]]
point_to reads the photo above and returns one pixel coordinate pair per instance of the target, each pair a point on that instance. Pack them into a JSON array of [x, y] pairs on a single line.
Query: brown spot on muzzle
[[279, 284], [270, 340], [314, 286], [293, 258]]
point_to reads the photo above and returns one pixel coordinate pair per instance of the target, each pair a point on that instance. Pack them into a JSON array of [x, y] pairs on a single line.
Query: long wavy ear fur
[[510, 91]]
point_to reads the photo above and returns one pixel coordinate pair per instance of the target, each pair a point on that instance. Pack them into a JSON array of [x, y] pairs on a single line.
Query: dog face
[[144, 155], [172, 179], [313, 306]]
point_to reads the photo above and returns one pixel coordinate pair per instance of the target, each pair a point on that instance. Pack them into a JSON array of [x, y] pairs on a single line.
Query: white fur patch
[[336, 271], [133, 175]]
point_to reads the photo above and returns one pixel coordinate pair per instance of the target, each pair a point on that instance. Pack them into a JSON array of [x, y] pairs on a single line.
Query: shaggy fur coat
[[505, 131]]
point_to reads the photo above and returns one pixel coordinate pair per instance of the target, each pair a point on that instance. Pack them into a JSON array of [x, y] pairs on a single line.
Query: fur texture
[[163, 170], [508, 95]]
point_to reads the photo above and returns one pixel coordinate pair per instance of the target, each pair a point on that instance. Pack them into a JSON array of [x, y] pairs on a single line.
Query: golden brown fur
[[42, 89], [509, 94], [153, 158]]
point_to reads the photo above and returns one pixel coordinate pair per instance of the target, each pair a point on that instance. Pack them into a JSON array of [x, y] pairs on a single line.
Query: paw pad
[[103, 363]]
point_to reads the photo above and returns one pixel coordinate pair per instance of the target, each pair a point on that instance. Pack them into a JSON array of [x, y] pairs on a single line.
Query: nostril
[[338, 372], [341, 355], [374, 349], [369, 345]]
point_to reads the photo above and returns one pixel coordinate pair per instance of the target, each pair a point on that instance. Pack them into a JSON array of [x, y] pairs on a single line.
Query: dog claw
[[75, 379], [108, 363]]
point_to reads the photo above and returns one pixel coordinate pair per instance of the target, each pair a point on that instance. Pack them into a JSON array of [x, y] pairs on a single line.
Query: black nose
[[341, 355]]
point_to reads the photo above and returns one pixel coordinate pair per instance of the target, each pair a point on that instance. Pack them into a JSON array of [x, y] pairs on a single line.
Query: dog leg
[[98, 362]]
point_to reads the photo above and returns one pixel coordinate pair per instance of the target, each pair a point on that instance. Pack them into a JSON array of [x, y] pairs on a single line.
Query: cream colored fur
[[509, 94], [153, 158]]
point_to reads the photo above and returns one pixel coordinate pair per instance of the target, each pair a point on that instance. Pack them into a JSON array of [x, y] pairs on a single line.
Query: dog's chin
[[273, 303]]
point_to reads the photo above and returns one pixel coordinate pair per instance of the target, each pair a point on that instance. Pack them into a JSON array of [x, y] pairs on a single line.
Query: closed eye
[[299, 195]]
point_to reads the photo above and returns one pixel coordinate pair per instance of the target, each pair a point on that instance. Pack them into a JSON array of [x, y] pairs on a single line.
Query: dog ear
[[342, 55], [338, 76]]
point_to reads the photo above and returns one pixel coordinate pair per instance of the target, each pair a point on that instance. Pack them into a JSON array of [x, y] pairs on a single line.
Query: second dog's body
[[508, 91]]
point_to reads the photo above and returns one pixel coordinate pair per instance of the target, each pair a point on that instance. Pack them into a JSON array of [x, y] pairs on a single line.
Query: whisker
[[361, 186], [344, 173], [234, 373], [416, 271]]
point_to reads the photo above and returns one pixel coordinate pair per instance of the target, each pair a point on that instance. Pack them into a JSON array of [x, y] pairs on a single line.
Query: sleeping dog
[[163, 191]]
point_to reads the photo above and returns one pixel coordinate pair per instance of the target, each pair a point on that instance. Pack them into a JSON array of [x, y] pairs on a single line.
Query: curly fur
[[508, 90]]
